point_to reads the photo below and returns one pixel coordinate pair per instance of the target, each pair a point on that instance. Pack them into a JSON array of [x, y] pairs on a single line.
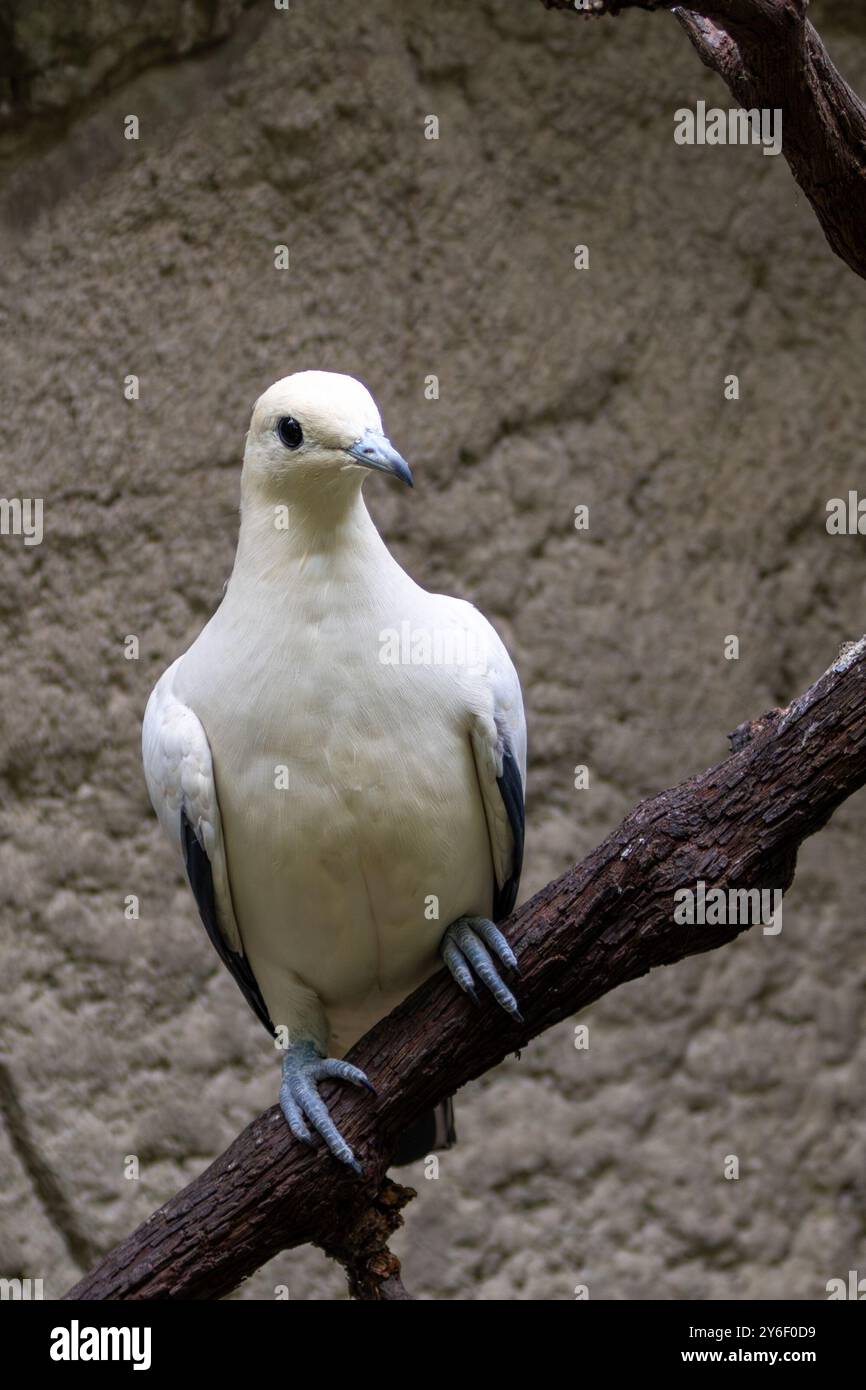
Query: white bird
[[339, 757]]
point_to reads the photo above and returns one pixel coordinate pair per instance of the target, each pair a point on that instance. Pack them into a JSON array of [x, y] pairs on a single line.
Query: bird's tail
[[431, 1132]]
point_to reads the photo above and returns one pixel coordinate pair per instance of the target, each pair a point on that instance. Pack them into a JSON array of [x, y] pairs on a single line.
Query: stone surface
[[602, 1167], [56, 58]]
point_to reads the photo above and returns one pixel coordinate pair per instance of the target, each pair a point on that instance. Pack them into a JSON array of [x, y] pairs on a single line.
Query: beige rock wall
[[558, 387]]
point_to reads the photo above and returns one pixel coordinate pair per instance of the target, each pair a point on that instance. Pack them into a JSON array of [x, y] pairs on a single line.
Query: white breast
[[354, 825]]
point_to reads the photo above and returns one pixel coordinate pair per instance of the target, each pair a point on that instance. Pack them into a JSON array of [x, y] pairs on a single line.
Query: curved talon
[[335, 1069], [453, 958], [465, 944], [300, 1102]]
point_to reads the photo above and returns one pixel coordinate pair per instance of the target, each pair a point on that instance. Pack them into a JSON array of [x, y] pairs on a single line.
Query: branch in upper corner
[[772, 58], [739, 11], [608, 920]]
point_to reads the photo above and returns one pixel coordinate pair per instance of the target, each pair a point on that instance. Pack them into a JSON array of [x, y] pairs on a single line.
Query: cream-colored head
[[316, 428]]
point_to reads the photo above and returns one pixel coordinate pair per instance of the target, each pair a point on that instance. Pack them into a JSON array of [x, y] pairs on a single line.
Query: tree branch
[[608, 920], [771, 56]]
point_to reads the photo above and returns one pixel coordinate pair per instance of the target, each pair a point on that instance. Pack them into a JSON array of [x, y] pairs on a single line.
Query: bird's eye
[[290, 432]]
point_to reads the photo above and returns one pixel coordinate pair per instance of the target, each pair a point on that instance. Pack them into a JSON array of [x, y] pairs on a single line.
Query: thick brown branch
[[771, 56], [610, 919]]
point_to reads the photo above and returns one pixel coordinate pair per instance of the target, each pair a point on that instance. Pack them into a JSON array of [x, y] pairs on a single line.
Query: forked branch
[[772, 57]]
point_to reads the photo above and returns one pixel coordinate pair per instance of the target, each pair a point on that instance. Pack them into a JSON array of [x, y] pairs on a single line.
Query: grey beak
[[373, 450]]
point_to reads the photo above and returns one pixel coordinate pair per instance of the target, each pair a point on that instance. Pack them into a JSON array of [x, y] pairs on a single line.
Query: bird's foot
[[303, 1067], [468, 945]]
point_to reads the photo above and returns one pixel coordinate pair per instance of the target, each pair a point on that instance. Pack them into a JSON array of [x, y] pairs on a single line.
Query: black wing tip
[[200, 875], [511, 790]]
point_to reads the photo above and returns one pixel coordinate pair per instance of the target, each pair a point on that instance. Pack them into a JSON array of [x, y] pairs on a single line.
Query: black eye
[[290, 432]]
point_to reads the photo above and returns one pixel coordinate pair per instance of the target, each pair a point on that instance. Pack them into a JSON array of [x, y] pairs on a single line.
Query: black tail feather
[[431, 1132]]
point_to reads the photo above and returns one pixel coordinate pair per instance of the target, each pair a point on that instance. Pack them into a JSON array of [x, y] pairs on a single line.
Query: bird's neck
[[320, 528]]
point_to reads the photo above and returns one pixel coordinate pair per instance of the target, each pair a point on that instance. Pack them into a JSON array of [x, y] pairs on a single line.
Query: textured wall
[[558, 387]]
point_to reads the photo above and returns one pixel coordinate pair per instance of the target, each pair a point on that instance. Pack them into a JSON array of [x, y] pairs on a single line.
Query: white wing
[[498, 733], [180, 779]]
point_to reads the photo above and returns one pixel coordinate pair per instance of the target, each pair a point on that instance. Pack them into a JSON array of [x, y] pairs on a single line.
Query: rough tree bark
[[770, 55], [609, 919]]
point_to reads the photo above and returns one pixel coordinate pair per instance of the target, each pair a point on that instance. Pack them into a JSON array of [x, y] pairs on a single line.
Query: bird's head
[[316, 428]]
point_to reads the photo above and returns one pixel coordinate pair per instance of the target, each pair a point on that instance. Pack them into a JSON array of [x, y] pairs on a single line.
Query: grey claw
[[494, 939], [465, 945], [300, 1102], [334, 1068], [453, 957]]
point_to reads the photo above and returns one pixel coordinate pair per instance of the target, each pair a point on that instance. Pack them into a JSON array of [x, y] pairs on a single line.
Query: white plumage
[[345, 787]]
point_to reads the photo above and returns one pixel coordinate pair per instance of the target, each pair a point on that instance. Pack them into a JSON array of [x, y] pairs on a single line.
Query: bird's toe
[[302, 1105], [293, 1115], [494, 939], [464, 950], [336, 1069], [456, 962]]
